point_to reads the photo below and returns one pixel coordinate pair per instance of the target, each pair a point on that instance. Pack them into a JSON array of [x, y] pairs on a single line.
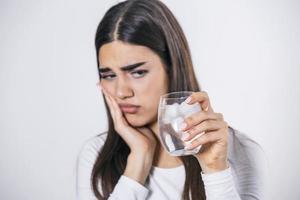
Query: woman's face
[[140, 85]]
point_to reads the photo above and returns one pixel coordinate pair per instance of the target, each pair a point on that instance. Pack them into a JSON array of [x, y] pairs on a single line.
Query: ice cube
[[166, 120], [169, 143], [188, 109], [176, 123], [171, 111]]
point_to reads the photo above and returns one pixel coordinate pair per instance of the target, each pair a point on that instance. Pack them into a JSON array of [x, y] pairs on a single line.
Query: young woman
[[142, 53]]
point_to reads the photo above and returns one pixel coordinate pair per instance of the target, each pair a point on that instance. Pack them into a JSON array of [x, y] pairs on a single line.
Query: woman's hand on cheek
[[214, 139], [140, 140]]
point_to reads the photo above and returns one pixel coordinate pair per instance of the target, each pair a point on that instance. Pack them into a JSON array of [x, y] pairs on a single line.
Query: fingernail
[[185, 136], [99, 85], [206, 109], [183, 126], [188, 100]]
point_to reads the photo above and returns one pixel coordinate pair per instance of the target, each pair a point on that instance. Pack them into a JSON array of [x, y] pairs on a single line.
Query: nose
[[123, 89]]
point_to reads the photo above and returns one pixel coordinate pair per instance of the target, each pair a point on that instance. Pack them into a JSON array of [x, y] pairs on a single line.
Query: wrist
[[138, 167], [216, 166]]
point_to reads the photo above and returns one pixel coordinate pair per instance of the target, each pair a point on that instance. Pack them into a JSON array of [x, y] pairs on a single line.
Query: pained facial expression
[[141, 86]]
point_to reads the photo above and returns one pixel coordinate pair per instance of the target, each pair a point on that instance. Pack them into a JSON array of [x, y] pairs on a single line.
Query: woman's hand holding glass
[[213, 153]]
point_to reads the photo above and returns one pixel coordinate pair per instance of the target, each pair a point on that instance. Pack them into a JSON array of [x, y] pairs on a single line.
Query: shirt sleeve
[[220, 185], [132, 190], [125, 187], [246, 178], [85, 161], [249, 168]]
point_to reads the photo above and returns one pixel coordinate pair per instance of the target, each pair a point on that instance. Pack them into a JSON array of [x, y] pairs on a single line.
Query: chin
[[136, 121]]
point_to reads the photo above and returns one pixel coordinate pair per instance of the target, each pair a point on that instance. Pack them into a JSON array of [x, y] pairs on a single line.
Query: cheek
[[149, 94], [109, 87]]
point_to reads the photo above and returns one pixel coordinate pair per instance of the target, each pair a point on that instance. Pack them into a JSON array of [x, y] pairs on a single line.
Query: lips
[[129, 108]]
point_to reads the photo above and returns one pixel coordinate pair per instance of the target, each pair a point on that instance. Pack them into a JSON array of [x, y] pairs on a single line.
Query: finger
[[109, 103], [112, 111], [208, 137], [201, 97], [205, 126], [98, 84], [118, 115], [117, 109], [199, 117]]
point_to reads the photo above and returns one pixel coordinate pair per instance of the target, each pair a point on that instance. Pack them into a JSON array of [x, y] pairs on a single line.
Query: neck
[[161, 158]]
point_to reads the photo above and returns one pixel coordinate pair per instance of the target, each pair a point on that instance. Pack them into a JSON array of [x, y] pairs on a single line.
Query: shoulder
[[249, 163], [91, 148], [86, 158], [243, 149]]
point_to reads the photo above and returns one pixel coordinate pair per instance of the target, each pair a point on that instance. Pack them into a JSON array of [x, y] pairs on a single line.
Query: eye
[[108, 77], [139, 73]]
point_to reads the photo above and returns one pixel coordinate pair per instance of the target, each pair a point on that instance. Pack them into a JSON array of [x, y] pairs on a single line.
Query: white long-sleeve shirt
[[244, 179]]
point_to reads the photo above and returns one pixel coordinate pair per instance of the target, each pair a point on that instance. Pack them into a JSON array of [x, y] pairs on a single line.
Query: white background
[[246, 55]]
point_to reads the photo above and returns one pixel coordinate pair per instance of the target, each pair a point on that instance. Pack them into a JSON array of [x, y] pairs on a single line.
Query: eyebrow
[[103, 69]]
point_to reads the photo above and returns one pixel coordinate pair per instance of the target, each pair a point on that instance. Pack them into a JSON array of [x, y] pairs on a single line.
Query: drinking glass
[[172, 111]]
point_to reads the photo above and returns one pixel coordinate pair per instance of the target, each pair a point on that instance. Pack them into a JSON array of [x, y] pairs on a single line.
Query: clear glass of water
[[171, 113]]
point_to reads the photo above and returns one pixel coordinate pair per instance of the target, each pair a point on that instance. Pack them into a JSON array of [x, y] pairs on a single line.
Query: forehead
[[117, 53]]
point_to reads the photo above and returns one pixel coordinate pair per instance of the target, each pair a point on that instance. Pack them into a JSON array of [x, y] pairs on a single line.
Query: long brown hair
[[148, 23]]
